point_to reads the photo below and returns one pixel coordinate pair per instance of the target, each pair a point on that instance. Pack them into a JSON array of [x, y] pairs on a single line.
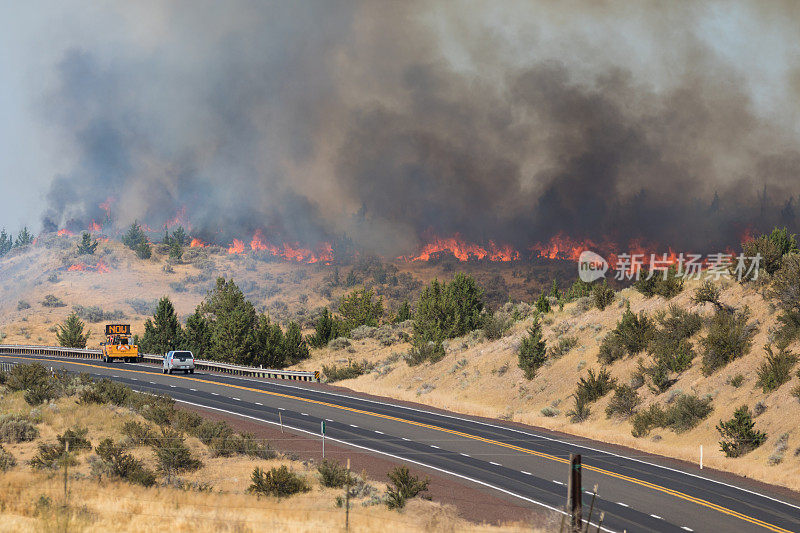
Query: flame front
[[100, 267]]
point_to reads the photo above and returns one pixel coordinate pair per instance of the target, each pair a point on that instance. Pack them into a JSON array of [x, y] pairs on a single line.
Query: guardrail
[[214, 366]]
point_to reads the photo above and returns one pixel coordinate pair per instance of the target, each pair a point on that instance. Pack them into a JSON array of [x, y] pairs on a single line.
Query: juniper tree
[[163, 332], [24, 238], [738, 435], [532, 353], [70, 333], [294, 346], [404, 312], [134, 237], [233, 320], [6, 242], [87, 246], [197, 335], [326, 329], [359, 309]]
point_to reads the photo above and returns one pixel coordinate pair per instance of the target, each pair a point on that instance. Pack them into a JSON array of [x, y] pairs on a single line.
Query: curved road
[[530, 465]]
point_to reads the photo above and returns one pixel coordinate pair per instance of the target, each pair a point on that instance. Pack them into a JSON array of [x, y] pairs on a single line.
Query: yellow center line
[[542, 455]]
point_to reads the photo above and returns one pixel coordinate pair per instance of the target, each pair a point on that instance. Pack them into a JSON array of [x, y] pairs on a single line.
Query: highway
[[528, 465]]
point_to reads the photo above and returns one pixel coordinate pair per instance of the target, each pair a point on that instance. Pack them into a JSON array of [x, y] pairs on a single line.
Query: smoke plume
[[396, 122]]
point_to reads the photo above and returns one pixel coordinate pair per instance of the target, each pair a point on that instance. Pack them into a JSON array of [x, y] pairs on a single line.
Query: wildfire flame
[[180, 219], [291, 251], [94, 226], [237, 247], [100, 267], [65, 232], [197, 243], [106, 206]]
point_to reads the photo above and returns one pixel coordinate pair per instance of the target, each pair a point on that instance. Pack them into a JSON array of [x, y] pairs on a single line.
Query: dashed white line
[[353, 426], [328, 420], [259, 403], [432, 446], [304, 414], [281, 409], [215, 394], [113, 376], [379, 432], [173, 386], [558, 482], [686, 528], [465, 455], [237, 399], [152, 382], [403, 438], [526, 473], [134, 379], [495, 464], [656, 516], [623, 504], [195, 390]]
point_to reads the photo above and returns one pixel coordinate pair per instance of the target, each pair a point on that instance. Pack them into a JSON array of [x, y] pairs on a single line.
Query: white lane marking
[[513, 430], [623, 504], [432, 446], [495, 464], [526, 473], [328, 420], [399, 458], [353, 426], [237, 399], [559, 482], [656, 516], [195, 390], [173, 386], [379, 432], [686, 528], [152, 382], [403, 438], [281, 409], [113, 376], [215, 394], [304, 414], [465, 455], [134, 379], [259, 403]]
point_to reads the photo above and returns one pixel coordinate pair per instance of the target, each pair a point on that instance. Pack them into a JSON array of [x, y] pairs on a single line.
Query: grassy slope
[[103, 505], [482, 378]]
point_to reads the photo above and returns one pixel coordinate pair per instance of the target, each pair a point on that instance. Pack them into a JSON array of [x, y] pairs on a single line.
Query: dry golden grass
[[487, 382], [107, 505]]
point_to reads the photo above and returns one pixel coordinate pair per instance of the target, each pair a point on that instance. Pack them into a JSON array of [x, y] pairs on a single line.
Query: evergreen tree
[[134, 237], [738, 435], [294, 346], [532, 352], [87, 246], [175, 250], [197, 335], [326, 329], [24, 238], [464, 304], [268, 344], [233, 322], [143, 250], [404, 312], [555, 290], [163, 333], [358, 309], [70, 333], [6, 242], [543, 304], [179, 236]]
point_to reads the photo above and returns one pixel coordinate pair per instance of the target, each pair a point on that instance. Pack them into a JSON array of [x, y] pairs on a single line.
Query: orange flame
[[106, 206], [180, 219], [65, 231], [100, 267], [290, 251], [94, 226], [465, 251], [237, 247], [197, 243]]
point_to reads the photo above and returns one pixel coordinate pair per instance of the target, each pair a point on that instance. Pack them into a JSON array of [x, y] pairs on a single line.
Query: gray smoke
[[393, 122]]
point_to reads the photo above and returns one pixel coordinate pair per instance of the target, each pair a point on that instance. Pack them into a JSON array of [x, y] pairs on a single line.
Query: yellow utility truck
[[119, 344]]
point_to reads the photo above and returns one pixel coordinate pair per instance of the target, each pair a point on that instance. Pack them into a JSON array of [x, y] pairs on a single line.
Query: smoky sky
[[394, 122]]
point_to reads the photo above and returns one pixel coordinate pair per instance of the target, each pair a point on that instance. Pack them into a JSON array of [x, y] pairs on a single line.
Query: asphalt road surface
[[529, 465]]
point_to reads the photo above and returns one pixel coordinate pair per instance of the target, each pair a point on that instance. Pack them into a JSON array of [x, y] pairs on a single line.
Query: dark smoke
[[309, 120]]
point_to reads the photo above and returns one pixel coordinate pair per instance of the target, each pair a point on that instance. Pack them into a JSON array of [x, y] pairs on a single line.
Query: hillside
[[481, 377]]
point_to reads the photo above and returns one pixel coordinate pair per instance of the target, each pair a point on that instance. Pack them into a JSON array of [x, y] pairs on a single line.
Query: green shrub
[[105, 391], [359, 309], [422, 351], [158, 409], [51, 457], [16, 428], [738, 434], [403, 486], [52, 301], [22, 305], [277, 482], [785, 289], [602, 295], [769, 251], [648, 419], [631, 335], [665, 283], [542, 304], [186, 421], [40, 393], [564, 345], [326, 329], [776, 369], [333, 474], [496, 325], [117, 463], [737, 380], [140, 434], [352, 370], [581, 411], [76, 439], [708, 292], [7, 461], [172, 455], [579, 289], [594, 386], [729, 337], [624, 402], [678, 323], [532, 352], [28, 376], [687, 411]]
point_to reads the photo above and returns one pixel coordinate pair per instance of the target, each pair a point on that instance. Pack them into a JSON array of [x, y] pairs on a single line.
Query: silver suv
[[178, 360]]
